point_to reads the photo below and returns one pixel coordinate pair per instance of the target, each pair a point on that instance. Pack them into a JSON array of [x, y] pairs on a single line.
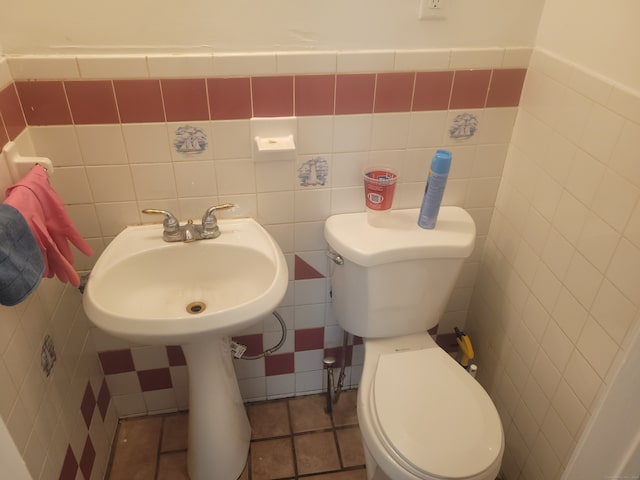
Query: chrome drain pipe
[[328, 363], [333, 393]]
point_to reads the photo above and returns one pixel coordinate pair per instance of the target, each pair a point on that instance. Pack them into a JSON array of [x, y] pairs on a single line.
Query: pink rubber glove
[[43, 209]]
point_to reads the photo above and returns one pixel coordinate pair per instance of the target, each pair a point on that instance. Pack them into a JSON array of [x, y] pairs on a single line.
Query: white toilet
[[422, 416]]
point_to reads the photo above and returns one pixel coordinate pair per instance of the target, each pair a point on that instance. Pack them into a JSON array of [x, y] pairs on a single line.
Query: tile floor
[[291, 439]]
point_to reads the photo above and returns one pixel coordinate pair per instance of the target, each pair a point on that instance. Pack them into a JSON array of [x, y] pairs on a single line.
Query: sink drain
[[196, 307]]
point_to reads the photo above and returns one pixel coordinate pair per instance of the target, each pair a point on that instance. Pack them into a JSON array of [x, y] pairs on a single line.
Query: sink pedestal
[[219, 430], [144, 290]]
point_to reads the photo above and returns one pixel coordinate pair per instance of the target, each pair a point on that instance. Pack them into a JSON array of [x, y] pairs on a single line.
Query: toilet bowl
[[422, 416]]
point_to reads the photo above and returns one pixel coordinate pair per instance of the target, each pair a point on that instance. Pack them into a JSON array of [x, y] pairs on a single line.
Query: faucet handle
[[170, 223], [210, 222]]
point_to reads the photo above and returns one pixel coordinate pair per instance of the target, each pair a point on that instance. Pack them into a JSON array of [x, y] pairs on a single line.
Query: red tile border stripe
[[394, 92], [506, 87], [470, 89], [432, 91], [11, 111], [44, 102], [229, 98], [92, 102], [139, 100], [55, 102], [185, 99]]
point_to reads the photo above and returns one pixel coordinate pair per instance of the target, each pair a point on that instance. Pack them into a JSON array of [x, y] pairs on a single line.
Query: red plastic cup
[[379, 186]]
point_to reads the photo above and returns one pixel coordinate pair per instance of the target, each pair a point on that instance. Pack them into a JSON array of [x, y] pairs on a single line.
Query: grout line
[[333, 424], [112, 453], [159, 448], [293, 445], [331, 472], [248, 466]]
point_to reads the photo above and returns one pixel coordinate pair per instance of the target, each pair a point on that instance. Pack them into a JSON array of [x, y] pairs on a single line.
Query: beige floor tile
[[316, 453], [269, 419], [136, 449], [350, 443], [344, 411], [173, 466], [272, 459], [316, 456], [175, 433], [307, 413]]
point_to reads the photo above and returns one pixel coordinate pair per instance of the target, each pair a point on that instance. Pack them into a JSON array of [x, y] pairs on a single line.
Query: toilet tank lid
[[401, 239]]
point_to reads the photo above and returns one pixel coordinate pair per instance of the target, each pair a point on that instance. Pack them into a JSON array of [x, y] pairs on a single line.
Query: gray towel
[[21, 263]]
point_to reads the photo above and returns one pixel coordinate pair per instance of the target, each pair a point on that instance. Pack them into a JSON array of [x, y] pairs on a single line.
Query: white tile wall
[[181, 66], [101, 144], [5, 73], [111, 183], [305, 62], [365, 61], [145, 142], [232, 64], [412, 60], [28, 67], [153, 181], [107, 173], [60, 142], [113, 66], [196, 179], [42, 413], [557, 291], [231, 139], [476, 58]]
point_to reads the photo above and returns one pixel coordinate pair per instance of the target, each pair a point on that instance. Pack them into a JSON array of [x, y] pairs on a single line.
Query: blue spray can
[[433, 192]]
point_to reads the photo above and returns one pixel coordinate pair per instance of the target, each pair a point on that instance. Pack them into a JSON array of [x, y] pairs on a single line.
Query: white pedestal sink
[[194, 294]]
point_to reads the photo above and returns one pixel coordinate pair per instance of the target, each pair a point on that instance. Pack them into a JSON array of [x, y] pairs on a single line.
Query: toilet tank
[[396, 279]]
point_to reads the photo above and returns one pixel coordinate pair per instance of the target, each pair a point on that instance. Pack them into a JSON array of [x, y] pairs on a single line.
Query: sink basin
[[147, 290], [194, 294]]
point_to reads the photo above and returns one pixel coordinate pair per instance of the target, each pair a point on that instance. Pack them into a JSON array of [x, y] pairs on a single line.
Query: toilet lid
[[434, 418]]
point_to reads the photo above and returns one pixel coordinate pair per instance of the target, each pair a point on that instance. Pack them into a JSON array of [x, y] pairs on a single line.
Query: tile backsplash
[[61, 423], [174, 133]]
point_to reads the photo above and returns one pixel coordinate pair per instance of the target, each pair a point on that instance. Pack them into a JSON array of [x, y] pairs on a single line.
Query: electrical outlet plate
[[431, 9]]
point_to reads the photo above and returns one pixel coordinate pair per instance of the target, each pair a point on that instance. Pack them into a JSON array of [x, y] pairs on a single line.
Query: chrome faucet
[[189, 232], [210, 222], [174, 232]]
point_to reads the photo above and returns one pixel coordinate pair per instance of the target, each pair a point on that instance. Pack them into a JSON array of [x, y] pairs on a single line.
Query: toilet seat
[[414, 396]]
